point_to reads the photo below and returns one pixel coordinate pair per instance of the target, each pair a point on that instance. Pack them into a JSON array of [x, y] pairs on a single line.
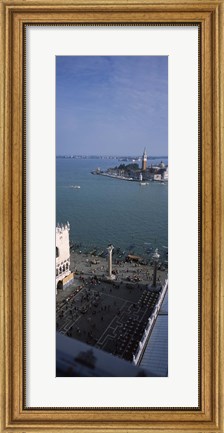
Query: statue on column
[[110, 250], [155, 257]]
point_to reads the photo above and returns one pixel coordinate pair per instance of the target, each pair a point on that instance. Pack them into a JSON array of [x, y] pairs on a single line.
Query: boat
[[130, 257], [93, 252], [75, 186], [142, 183]]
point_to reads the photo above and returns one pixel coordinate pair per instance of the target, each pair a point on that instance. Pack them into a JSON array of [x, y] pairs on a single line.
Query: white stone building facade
[[63, 274]]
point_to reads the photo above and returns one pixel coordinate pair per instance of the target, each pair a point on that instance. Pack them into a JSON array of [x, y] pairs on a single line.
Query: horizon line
[[110, 155]]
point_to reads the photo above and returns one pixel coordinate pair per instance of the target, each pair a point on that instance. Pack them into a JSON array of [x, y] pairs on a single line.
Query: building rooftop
[[75, 358], [155, 356]]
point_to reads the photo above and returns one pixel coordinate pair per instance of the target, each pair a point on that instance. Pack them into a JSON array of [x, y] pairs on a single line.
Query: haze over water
[[105, 210]]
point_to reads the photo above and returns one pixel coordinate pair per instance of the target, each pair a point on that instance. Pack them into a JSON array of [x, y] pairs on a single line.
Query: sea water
[[104, 210]]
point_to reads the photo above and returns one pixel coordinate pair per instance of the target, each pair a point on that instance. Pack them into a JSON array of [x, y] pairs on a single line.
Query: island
[[133, 173]]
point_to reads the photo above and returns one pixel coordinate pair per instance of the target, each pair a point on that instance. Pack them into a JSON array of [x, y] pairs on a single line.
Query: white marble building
[[63, 274]]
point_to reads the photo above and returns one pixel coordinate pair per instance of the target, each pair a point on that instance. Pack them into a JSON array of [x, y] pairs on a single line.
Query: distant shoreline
[[119, 157], [116, 177], [113, 176]]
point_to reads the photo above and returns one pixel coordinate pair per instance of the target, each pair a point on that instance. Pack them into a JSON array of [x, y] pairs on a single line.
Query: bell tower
[[144, 160]]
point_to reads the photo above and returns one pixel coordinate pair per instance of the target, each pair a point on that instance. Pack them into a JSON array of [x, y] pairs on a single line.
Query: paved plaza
[[110, 315]]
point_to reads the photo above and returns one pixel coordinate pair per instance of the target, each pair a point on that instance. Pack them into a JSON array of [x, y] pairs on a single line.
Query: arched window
[[60, 270], [56, 272], [63, 268], [60, 285], [57, 252], [66, 266]]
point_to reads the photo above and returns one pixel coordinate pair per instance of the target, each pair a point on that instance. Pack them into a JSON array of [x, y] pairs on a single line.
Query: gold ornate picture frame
[[15, 15]]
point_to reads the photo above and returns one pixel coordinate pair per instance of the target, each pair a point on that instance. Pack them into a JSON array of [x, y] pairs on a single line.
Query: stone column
[[110, 250], [155, 257]]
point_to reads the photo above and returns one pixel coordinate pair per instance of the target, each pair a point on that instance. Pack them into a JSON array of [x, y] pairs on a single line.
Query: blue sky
[[111, 105]]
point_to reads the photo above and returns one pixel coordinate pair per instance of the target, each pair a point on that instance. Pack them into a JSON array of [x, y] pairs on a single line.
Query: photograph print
[[111, 216]]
